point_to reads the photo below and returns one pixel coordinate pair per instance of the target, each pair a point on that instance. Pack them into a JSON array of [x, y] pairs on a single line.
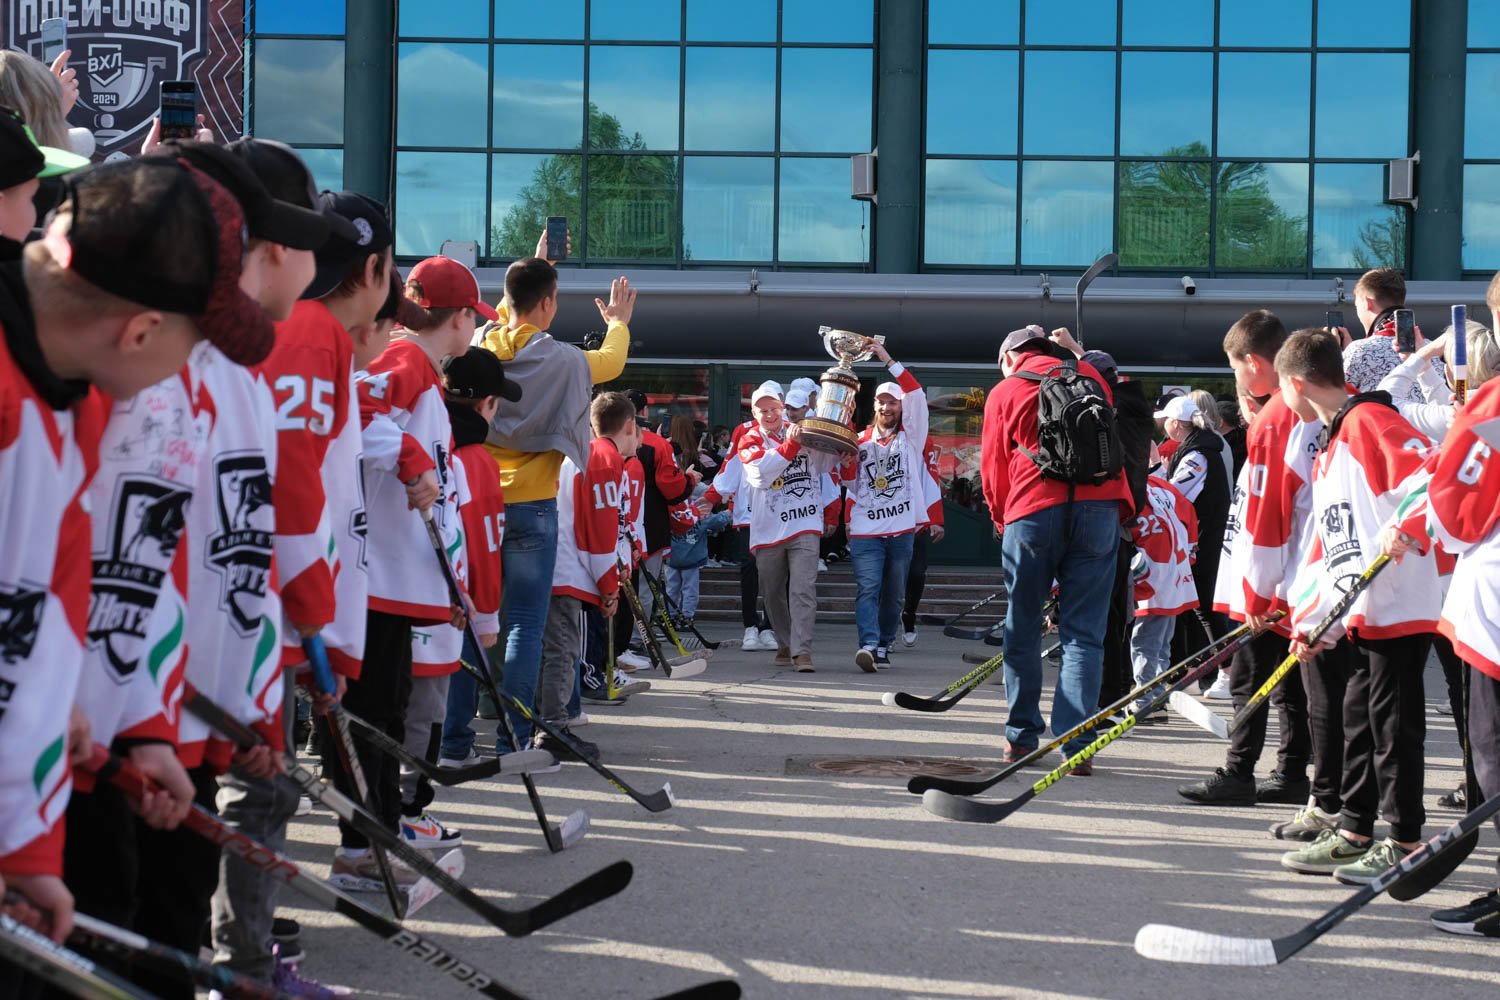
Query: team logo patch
[[21, 607], [359, 521], [885, 474], [146, 519], [240, 550], [1341, 549]]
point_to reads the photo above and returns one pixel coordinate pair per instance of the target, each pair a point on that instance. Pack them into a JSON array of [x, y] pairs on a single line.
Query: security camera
[[1188, 288]]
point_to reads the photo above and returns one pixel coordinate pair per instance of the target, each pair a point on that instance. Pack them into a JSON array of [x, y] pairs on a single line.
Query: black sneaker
[[882, 658], [1285, 789], [565, 751], [1221, 789], [1480, 918], [286, 934], [1456, 799]]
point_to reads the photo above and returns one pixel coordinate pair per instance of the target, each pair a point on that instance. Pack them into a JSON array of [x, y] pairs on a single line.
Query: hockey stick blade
[[1198, 714], [687, 666], [62, 967], [976, 658], [573, 828], [960, 632], [424, 890], [518, 762], [103, 938], [993, 638], [1181, 944]]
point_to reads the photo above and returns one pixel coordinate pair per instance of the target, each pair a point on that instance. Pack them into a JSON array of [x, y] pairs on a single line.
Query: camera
[[1188, 288]]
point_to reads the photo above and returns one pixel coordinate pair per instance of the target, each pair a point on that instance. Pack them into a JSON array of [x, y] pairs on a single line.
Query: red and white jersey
[[1166, 540], [406, 433], [932, 488], [1463, 500], [1372, 463], [885, 476], [729, 486], [317, 491], [46, 458], [786, 483], [1229, 595], [631, 547], [590, 514], [1279, 448]]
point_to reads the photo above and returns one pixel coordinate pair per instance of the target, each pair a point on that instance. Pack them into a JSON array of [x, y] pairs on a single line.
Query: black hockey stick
[[680, 666], [1097, 268], [574, 827], [938, 790], [520, 762], [660, 590], [1290, 663], [953, 693], [661, 614], [62, 967], [99, 936], [601, 885], [944, 623], [1182, 944]]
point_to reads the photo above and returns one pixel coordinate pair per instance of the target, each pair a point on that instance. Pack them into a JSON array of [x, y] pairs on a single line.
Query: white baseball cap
[[1178, 408], [807, 385], [797, 398], [767, 388], [890, 389]]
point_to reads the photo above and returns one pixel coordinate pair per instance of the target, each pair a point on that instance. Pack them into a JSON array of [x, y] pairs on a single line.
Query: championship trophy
[[831, 428]]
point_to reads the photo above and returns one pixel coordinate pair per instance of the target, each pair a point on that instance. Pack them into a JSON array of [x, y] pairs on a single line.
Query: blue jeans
[[463, 702], [880, 566], [528, 557], [1033, 552], [1151, 652], [682, 589]]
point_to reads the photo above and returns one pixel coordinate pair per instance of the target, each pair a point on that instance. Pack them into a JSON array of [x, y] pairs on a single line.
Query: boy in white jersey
[[1165, 533]]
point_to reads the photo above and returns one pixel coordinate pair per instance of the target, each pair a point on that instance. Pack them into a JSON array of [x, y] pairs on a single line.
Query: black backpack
[[1077, 441]]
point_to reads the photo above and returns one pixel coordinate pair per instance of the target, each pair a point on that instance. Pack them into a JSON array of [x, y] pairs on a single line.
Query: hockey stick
[[601, 885], [612, 693], [659, 589], [1290, 663], [659, 611], [976, 658], [672, 667], [520, 762], [948, 796], [62, 967], [959, 689], [1181, 944], [343, 743], [575, 826], [99, 936], [1097, 268], [1198, 714], [1460, 354], [944, 623]]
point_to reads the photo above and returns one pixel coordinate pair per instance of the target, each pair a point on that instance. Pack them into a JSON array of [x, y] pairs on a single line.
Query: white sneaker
[[1220, 689], [631, 661], [751, 641], [426, 832], [581, 719], [768, 640], [822, 566], [456, 762], [909, 638], [304, 806]]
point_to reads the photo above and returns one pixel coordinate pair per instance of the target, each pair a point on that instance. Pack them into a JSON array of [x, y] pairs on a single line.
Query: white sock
[[355, 853]]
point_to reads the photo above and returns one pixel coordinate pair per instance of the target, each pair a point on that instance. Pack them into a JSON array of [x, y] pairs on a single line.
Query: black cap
[[637, 399], [224, 167], [1103, 363], [23, 158], [297, 219], [475, 374], [372, 234]]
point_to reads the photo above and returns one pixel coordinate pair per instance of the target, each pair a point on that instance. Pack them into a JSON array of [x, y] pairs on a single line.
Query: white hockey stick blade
[[888, 699], [1181, 944], [573, 828], [692, 668], [424, 890], [688, 657], [1199, 714], [524, 761]]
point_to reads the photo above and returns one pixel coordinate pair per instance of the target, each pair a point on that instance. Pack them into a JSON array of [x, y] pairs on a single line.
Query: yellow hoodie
[[526, 475]]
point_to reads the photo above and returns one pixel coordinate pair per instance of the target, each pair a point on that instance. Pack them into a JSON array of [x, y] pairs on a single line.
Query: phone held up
[[54, 38], [1406, 332], [179, 109], [557, 238], [1335, 320]]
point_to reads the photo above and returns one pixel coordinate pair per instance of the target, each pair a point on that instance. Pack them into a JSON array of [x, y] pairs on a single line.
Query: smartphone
[[54, 38], [179, 109], [557, 238], [1406, 331], [1335, 320]]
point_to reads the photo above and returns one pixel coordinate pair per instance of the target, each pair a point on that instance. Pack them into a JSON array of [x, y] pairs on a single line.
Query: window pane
[[634, 90], [973, 22], [1070, 103], [632, 207], [1164, 214], [1481, 108], [525, 188], [1166, 103], [970, 215], [524, 19], [819, 221], [1350, 84], [727, 205], [439, 196], [297, 17], [1262, 215], [1352, 227], [1263, 104], [1366, 24], [1265, 23], [731, 99], [299, 91], [538, 95], [1484, 26], [1168, 22], [971, 101], [440, 94], [744, 21], [1079, 22], [1067, 211], [825, 100], [449, 19], [636, 20], [827, 21], [1481, 217], [327, 166]]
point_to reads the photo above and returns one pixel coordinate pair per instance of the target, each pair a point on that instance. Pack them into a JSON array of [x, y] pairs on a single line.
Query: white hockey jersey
[[885, 477], [590, 513], [787, 487], [1166, 539]]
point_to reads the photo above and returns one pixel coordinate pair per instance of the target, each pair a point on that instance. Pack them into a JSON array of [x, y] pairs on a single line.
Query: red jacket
[[1013, 485]]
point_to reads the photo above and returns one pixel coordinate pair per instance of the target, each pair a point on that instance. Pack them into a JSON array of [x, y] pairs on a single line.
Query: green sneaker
[[1329, 852], [1376, 861]]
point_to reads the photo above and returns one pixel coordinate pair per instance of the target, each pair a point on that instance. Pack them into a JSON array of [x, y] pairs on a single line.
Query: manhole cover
[[878, 767]]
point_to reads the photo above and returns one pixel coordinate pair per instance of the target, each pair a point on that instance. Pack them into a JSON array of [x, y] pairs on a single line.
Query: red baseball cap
[[447, 284]]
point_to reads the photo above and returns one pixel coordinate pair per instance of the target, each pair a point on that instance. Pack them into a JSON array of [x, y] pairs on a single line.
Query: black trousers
[[1325, 679], [1252, 665], [1119, 676], [749, 584], [1385, 725], [1453, 677], [1484, 738], [379, 697], [916, 580]]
